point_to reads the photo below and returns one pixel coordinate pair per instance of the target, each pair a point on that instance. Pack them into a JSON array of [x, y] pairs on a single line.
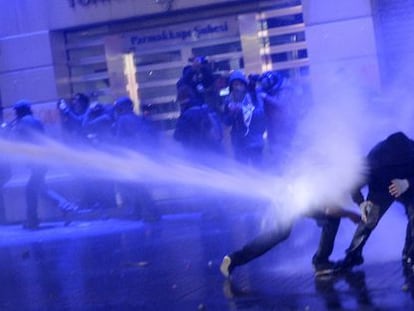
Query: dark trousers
[[138, 198], [382, 202], [268, 240], [5, 174], [330, 226], [36, 187]]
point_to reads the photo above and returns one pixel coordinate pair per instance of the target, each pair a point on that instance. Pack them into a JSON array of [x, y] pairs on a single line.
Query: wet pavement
[[173, 264]]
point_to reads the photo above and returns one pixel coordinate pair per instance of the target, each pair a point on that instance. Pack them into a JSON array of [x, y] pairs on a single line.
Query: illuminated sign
[[178, 34], [86, 3], [186, 34]]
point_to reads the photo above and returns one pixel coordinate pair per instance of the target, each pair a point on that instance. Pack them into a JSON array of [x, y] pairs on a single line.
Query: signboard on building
[[181, 34]]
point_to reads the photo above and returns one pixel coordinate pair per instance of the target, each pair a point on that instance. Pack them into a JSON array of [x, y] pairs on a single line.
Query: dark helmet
[[80, 103], [123, 105], [202, 60], [271, 81], [22, 108], [82, 98]]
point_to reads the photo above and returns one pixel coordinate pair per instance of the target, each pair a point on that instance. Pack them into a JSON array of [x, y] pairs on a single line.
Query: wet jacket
[[241, 136], [135, 132], [391, 158], [28, 128], [199, 128]]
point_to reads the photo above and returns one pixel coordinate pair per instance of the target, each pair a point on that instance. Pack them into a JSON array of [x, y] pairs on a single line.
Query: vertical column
[[250, 43], [341, 44], [121, 70], [60, 64]]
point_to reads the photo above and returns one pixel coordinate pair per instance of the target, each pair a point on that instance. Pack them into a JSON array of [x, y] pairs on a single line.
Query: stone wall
[[341, 44], [394, 23]]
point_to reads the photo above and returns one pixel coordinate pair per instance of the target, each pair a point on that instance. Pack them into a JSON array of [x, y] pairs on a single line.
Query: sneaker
[[226, 267], [348, 263], [67, 206], [324, 268]]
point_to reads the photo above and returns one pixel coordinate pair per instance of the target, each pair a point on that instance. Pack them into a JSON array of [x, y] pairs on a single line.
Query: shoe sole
[[324, 272], [224, 267]]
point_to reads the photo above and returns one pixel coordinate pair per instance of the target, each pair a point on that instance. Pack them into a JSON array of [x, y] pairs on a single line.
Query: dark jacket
[[199, 128], [28, 128], [241, 136], [389, 159], [135, 132]]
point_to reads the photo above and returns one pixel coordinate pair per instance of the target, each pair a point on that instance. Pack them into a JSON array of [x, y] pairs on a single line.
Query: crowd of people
[[258, 105], [253, 115], [389, 178], [93, 125]]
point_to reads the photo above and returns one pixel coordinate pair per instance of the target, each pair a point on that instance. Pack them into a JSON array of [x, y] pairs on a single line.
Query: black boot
[[348, 263]]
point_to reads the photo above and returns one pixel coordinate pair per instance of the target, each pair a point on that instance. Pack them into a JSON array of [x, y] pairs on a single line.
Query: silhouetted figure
[[390, 178], [97, 124], [246, 118], [5, 175], [328, 219], [72, 116], [280, 117], [138, 134], [30, 130], [198, 127]]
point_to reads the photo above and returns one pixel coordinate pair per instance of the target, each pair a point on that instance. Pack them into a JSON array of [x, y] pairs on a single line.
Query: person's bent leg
[[257, 247], [32, 196], [354, 252], [320, 260], [408, 250]]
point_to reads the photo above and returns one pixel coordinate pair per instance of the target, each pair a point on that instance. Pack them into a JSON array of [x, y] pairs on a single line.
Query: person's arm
[[73, 116], [356, 194], [360, 200], [274, 101], [231, 110]]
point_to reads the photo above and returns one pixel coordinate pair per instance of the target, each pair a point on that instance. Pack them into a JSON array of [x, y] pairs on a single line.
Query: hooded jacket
[[389, 159]]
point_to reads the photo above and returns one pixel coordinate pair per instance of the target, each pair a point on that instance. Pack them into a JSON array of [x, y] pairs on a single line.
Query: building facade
[[51, 49], [105, 48]]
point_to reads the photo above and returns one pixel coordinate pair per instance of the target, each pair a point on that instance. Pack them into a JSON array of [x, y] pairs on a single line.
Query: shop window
[[281, 21], [97, 90], [154, 92], [161, 74], [78, 54], [284, 39], [224, 65], [157, 58], [302, 53], [225, 48], [78, 71], [158, 68], [170, 106], [291, 55]]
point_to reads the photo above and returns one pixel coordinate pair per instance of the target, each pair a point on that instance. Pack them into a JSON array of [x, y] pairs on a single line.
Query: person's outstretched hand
[[365, 208], [398, 187]]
